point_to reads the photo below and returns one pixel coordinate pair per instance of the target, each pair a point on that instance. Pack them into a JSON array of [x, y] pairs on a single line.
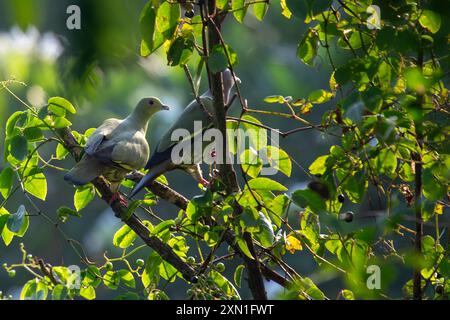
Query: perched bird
[[116, 148], [161, 160]]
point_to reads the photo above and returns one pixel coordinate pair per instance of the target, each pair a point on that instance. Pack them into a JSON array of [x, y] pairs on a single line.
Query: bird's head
[[149, 106]]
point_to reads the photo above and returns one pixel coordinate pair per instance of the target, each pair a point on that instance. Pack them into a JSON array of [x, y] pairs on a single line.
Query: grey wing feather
[[193, 112]]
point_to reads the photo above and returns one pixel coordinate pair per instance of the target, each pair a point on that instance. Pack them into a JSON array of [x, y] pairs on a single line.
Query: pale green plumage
[[116, 147], [161, 160]]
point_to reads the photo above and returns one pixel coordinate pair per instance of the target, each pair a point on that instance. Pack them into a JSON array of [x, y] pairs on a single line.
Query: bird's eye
[[150, 102]]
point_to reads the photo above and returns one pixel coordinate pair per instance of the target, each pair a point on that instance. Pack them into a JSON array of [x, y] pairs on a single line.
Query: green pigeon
[[116, 148], [162, 159]]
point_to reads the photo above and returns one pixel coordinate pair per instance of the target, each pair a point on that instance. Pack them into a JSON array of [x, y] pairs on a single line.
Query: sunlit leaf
[[260, 10], [83, 196], [124, 237], [19, 147], [36, 184], [430, 20], [239, 9], [6, 181], [293, 244], [57, 102], [266, 184]]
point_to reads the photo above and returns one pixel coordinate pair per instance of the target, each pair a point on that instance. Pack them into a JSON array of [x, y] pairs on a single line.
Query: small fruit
[[5, 265], [439, 289], [194, 279], [190, 260], [140, 262], [220, 267], [347, 216], [12, 273], [189, 14], [109, 266], [341, 198]]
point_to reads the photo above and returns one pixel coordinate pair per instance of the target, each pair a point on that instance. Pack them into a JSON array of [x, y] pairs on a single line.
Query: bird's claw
[[118, 197], [205, 183]]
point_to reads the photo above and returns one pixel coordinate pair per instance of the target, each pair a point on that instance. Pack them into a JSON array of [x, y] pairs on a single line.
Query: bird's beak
[[164, 107]]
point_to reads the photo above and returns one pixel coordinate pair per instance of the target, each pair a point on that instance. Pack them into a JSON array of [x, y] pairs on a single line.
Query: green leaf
[[211, 238], [36, 184], [221, 3], [285, 10], [18, 220], [308, 198], [181, 50], [61, 103], [59, 292], [430, 20], [238, 274], [60, 123], [239, 9], [111, 279], [34, 290], [415, 80], [163, 226], [320, 96], [158, 25], [7, 235], [12, 121], [61, 152], [265, 235], [6, 181], [299, 8], [4, 215], [19, 147], [279, 160], [92, 277], [373, 99], [244, 248], [308, 48], [386, 163], [355, 185], [266, 184], [256, 135], [33, 134], [127, 278], [251, 163], [63, 213], [87, 292], [218, 61], [319, 165], [260, 10], [277, 208], [432, 188], [274, 99], [83, 195], [124, 237]]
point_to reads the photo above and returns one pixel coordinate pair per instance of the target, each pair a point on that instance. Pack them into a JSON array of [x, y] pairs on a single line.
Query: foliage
[[390, 116]]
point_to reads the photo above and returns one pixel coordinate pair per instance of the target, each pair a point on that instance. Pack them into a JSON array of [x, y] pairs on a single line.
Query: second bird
[[162, 161]]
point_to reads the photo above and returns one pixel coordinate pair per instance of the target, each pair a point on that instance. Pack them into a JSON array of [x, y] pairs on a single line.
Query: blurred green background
[[98, 68]]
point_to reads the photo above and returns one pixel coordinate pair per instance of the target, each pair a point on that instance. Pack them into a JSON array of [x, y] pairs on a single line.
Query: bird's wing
[[98, 136], [118, 145], [193, 112]]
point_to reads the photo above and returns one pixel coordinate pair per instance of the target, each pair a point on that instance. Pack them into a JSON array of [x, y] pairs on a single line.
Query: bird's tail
[[152, 174], [85, 171]]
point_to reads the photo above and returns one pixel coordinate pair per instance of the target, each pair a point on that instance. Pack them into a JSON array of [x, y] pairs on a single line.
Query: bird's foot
[[118, 197], [205, 183]]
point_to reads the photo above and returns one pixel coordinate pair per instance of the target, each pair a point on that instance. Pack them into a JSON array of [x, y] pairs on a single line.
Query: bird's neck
[[139, 121]]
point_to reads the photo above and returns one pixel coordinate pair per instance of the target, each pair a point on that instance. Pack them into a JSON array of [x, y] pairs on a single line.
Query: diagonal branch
[[163, 249]]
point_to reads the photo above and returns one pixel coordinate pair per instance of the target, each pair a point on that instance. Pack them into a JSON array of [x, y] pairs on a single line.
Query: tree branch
[[164, 250]]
